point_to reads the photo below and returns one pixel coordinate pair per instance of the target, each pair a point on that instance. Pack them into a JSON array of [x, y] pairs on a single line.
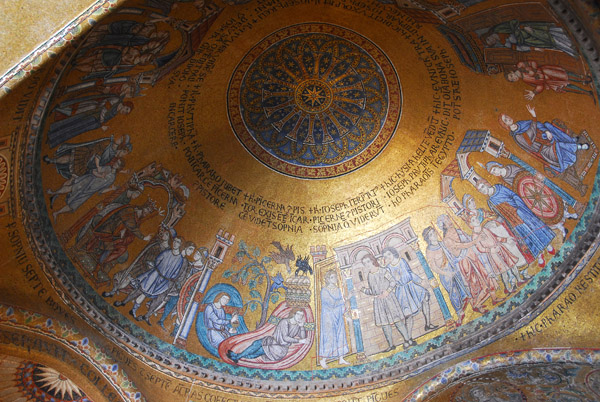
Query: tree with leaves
[[254, 273]]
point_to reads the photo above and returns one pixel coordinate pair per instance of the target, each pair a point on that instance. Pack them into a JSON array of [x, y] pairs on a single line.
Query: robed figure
[[557, 151], [79, 115], [531, 230], [545, 141], [386, 307], [458, 248], [332, 340], [409, 291], [113, 233], [439, 260], [218, 326], [166, 268], [275, 347], [530, 35]]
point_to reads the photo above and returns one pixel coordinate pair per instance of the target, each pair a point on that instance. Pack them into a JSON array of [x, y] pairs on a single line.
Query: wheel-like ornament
[[543, 202]]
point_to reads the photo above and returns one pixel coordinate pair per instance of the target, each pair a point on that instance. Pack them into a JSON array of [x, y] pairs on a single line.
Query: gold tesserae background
[[247, 200]]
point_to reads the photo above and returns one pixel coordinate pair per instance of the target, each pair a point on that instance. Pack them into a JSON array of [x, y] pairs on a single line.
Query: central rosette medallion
[[313, 96], [314, 101]]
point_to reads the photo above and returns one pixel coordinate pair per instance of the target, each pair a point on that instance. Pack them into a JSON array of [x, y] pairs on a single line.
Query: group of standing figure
[[89, 168], [398, 296], [161, 278], [110, 51], [498, 251]]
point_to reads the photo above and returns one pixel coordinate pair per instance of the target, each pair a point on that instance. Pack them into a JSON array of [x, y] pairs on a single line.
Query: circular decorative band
[[314, 101]]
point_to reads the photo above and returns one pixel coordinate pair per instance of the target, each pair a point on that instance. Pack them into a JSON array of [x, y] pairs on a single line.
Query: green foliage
[[244, 277], [274, 298], [253, 273]]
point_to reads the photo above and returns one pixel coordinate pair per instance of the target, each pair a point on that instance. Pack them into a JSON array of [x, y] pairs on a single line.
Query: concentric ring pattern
[[314, 101]]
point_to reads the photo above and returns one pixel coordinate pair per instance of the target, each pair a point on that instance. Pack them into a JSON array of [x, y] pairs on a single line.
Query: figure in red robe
[[548, 77], [462, 253], [113, 234]]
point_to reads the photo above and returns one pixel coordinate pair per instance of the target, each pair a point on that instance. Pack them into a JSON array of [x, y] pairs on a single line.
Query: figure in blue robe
[[216, 325], [409, 292], [81, 188], [216, 321], [169, 270], [84, 187], [166, 268], [411, 296], [534, 233], [445, 264], [80, 115], [558, 152], [332, 340], [454, 285]]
